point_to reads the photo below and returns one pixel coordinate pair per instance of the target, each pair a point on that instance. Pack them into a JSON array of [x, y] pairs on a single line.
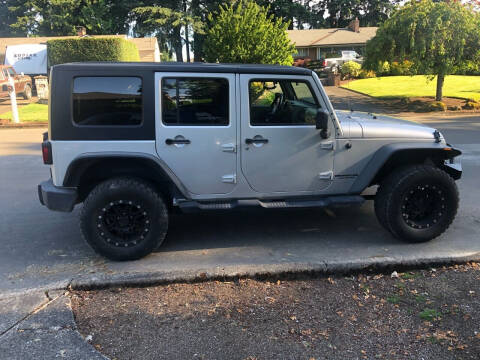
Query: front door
[[282, 151], [196, 129]]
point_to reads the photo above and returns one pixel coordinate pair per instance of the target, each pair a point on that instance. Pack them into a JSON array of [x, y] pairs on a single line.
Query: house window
[[319, 53], [302, 52]]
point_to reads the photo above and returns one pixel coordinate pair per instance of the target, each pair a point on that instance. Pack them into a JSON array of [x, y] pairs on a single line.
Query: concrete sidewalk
[[40, 325]]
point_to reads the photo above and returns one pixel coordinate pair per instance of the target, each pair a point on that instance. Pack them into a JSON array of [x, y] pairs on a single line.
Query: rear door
[[282, 151], [196, 129]]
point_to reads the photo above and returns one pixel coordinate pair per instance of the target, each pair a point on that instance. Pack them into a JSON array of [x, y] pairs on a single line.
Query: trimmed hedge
[[91, 49]]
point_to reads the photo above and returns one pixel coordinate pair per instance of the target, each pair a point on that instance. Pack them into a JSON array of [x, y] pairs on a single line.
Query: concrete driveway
[[43, 249]]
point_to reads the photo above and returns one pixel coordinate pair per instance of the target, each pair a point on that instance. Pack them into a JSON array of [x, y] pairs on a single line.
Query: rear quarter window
[[107, 101]]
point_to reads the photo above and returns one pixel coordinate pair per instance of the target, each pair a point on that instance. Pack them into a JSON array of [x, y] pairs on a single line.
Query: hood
[[366, 125]]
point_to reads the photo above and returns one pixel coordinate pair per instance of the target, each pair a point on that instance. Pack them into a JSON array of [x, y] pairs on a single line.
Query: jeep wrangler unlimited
[[134, 141]]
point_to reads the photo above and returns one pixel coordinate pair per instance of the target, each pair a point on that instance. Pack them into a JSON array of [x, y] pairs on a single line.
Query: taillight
[[47, 153], [324, 62]]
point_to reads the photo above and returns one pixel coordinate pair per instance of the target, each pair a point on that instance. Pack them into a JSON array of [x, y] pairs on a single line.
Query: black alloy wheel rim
[[123, 223], [423, 206]]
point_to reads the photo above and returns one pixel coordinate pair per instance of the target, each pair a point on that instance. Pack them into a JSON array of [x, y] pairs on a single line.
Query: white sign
[[29, 58]]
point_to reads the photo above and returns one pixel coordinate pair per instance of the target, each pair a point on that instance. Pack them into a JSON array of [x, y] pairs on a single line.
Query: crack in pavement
[[34, 311]]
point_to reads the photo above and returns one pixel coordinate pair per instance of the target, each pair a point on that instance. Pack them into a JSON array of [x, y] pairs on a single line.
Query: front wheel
[[124, 219], [417, 203]]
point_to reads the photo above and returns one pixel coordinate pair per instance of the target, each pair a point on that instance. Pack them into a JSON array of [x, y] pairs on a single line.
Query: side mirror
[[321, 123]]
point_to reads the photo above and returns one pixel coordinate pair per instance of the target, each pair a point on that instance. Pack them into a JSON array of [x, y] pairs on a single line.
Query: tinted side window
[[282, 102], [195, 101], [110, 101]]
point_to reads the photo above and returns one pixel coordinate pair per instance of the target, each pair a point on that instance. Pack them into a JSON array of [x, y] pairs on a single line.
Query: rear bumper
[[57, 198]]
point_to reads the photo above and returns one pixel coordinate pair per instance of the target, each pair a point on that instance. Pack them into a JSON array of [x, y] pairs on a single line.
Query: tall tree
[[169, 23], [60, 17], [201, 9], [425, 32], [245, 33]]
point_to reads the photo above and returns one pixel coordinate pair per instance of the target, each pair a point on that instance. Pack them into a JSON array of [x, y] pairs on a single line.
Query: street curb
[[24, 126], [263, 272]]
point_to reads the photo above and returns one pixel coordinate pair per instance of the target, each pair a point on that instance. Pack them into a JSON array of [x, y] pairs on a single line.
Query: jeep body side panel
[[66, 152]]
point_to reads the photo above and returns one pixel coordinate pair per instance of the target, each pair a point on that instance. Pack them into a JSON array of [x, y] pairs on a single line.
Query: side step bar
[[188, 206]]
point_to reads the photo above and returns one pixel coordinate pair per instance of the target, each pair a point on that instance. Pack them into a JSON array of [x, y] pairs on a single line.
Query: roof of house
[[325, 37], [145, 46], [185, 67]]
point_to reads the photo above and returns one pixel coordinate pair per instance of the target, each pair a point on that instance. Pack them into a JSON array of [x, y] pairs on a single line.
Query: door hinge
[[231, 178], [327, 145], [229, 148], [327, 175]]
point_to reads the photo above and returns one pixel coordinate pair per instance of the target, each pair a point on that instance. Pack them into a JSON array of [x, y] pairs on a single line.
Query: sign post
[[13, 99]]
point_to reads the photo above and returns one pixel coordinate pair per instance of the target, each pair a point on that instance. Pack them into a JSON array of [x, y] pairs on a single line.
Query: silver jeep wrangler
[[135, 141]]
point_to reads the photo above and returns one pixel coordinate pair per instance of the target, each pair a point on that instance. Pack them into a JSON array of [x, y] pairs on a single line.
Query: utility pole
[[13, 98]]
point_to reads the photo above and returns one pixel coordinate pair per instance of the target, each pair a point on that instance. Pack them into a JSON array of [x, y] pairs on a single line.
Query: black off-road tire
[[417, 203], [124, 219], [27, 92]]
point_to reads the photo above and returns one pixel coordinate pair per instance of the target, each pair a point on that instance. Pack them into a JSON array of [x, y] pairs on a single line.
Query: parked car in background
[[347, 55], [306, 62], [23, 83]]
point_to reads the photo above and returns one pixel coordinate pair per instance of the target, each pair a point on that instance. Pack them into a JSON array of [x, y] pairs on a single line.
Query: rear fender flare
[[80, 164]]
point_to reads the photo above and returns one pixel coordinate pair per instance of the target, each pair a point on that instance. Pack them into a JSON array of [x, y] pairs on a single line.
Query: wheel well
[[86, 173], [409, 157]]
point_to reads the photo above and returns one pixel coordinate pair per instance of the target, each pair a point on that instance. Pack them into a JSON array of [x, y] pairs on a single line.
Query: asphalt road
[[44, 249]]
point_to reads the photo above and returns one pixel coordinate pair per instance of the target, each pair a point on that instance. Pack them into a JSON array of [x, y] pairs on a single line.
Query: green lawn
[[29, 113], [458, 86]]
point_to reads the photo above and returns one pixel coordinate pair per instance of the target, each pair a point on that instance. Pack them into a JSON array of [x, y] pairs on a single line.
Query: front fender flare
[[382, 155]]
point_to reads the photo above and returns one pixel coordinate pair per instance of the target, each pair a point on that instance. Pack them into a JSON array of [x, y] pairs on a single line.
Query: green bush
[[91, 49], [402, 68], [366, 74], [350, 70], [471, 105], [383, 68], [437, 106]]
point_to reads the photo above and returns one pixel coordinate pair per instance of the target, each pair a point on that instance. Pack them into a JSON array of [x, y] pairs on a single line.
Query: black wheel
[[417, 203], [124, 219], [27, 93]]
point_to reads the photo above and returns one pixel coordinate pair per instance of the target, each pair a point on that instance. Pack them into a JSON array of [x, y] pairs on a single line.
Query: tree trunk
[[440, 80], [187, 43], [178, 44]]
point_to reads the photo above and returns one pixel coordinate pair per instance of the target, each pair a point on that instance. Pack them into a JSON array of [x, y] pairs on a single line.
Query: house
[[322, 43], [147, 47]]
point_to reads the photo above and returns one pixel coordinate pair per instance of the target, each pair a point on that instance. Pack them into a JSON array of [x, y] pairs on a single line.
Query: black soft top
[[186, 67]]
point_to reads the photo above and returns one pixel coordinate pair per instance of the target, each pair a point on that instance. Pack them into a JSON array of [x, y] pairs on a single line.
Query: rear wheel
[[124, 219], [417, 203], [27, 93]]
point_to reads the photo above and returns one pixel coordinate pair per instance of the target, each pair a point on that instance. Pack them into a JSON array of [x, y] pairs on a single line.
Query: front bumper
[[57, 198], [452, 165]]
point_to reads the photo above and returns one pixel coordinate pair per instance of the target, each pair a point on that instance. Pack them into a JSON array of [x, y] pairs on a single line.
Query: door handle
[[253, 141], [177, 141]]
